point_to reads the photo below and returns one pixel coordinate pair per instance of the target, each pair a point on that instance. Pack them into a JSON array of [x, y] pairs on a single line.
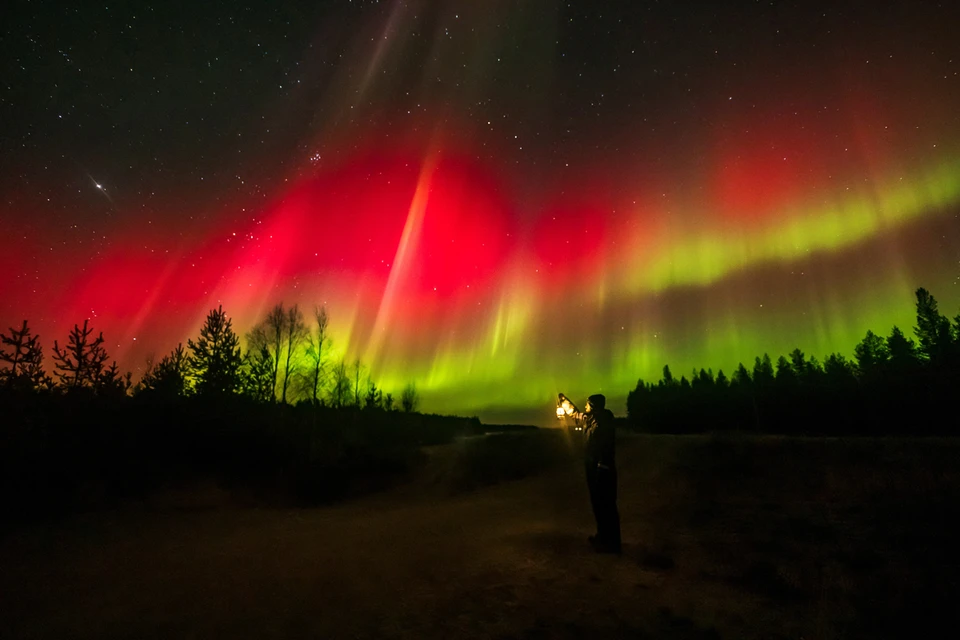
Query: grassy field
[[724, 538]]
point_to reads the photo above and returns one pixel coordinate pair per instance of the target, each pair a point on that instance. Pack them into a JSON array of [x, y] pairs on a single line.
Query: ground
[[724, 538]]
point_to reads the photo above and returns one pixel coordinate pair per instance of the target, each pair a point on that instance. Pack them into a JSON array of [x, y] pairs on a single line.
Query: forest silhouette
[[892, 385], [284, 417]]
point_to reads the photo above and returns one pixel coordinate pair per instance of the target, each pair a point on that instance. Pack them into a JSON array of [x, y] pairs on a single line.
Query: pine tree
[[215, 358], [24, 355], [872, 354], [741, 376], [112, 382], [838, 370], [785, 374], [702, 379], [763, 373], [903, 351], [722, 382], [814, 369], [169, 376], [80, 364], [668, 379], [933, 329], [374, 397], [637, 401], [799, 364], [257, 376]]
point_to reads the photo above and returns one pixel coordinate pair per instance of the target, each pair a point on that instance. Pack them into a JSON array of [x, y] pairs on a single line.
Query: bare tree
[[357, 388], [294, 335], [317, 340], [410, 399], [340, 387], [273, 338]]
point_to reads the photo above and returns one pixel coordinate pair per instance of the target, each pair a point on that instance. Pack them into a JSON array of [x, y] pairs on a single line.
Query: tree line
[[280, 416], [286, 360], [893, 384]]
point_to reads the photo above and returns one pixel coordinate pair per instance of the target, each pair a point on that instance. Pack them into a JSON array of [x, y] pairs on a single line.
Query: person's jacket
[[600, 435]]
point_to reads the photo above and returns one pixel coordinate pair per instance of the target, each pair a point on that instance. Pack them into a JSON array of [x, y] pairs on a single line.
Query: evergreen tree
[[838, 370], [703, 379], [668, 379], [872, 354], [785, 374], [374, 397], [933, 329], [169, 376], [903, 351], [799, 364], [741, 376], [257, 374], [722, 382], [763, 370], [814, 369], [23, 355], [80, 364], [215, 356], [637, 401], [260, 356], [112, 382]]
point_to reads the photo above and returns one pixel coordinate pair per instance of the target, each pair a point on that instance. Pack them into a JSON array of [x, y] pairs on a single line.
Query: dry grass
[[725, 537]]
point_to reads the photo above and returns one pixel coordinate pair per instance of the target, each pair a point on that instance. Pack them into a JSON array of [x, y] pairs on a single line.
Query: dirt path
[[507, 561]]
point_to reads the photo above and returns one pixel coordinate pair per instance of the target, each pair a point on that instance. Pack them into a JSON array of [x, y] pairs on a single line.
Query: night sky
[[498, 200]]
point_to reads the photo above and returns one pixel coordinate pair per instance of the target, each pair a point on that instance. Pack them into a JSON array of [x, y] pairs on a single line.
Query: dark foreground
[[725, 538]]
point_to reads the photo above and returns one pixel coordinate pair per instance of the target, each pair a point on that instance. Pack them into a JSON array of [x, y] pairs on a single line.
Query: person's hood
[[598, 402]]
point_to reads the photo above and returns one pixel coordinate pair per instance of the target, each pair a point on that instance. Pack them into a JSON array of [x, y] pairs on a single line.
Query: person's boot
[[603, 546]]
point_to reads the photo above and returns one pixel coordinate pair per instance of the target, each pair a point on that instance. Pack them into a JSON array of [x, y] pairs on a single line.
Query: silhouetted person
[[601, 468]]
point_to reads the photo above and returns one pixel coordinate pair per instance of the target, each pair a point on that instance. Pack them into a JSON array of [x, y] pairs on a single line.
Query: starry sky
[[498, 200]]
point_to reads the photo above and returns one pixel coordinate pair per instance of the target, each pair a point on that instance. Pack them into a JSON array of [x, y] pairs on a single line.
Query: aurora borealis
[[497, 200]]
